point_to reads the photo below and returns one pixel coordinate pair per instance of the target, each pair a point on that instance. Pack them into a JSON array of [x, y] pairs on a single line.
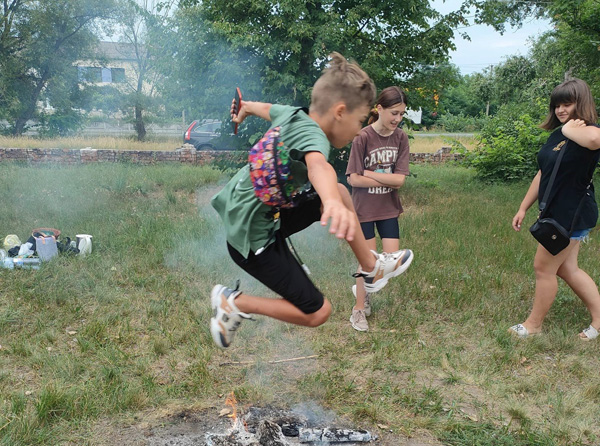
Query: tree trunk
[[27, 114], [140, 128]]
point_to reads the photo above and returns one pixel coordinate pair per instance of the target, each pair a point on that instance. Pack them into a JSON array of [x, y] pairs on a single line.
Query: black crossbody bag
[[547, 231]]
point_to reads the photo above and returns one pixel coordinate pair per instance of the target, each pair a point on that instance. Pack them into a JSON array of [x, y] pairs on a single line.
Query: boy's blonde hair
[[342, 81]]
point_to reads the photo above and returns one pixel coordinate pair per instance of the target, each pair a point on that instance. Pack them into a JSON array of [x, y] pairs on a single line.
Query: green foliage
[[275, 51], [39, 43], [461, 122], [142, 26], [576, 31], [467, 97], [63, 123], [508, 145]]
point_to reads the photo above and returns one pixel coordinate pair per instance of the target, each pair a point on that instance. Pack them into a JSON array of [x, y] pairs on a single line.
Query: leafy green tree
[[200, 68], [463, 98], [140, 23], [575, 39], [285, 44], [428, 90], [40, 41]]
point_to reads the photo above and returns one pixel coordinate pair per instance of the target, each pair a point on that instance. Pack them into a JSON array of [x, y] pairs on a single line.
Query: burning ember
[[232, 402], [272, 427]]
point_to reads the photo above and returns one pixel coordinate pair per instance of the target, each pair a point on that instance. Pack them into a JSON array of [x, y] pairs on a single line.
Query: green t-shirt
[[248, 222]]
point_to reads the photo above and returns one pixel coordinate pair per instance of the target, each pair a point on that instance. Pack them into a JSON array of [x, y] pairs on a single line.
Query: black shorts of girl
[[277, 268], [387, 228]]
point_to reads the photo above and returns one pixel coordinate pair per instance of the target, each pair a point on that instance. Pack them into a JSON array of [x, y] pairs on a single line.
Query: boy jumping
[[256, 233]]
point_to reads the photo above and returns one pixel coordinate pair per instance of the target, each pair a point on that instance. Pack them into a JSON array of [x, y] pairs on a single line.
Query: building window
[[106, 75], [97, 74]]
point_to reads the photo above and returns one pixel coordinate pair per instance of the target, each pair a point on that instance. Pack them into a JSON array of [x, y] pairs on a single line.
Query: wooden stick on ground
[[275, 361]]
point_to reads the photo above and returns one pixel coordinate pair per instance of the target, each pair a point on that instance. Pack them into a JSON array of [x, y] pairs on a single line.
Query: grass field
[[89, 345], [419, 144]]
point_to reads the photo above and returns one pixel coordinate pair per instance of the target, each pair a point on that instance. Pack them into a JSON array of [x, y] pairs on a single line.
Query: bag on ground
[[46, 248]]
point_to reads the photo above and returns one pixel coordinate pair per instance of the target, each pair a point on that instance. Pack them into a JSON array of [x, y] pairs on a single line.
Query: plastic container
[[84, 244], [46, 247], [23, 263]]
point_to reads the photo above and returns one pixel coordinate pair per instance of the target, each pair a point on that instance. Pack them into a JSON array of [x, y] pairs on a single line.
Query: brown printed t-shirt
[[376, 153]]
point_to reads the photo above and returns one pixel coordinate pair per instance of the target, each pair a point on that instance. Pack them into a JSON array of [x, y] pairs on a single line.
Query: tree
[[465, 98], [41, 40], [200, 68], [576, 35], [286, 43], [140, 22]]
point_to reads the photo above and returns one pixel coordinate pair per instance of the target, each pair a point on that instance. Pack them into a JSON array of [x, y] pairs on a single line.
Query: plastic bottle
[[8, 263], [27, 263], [24, 263]]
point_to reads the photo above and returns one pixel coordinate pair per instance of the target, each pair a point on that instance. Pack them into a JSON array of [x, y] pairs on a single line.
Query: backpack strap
[[298, 110]]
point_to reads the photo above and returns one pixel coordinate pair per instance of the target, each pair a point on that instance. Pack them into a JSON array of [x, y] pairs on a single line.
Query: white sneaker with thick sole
[[227, 316], [387, 266], [367, 301], [359, 320]]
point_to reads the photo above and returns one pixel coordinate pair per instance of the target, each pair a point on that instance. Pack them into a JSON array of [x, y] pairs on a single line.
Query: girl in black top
[[572, 106]]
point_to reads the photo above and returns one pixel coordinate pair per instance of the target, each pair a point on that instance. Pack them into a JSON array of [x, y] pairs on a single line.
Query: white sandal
[[519, 330], [590, 333]]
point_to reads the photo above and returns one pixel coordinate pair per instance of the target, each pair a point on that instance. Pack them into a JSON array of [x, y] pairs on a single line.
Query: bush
[[508, 144], [61, 123], [461, 123]]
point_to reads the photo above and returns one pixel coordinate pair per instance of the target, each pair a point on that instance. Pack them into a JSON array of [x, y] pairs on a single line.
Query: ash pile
[[275, 427]]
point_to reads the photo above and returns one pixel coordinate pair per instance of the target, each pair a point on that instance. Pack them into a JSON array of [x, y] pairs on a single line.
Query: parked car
[[201, 133]]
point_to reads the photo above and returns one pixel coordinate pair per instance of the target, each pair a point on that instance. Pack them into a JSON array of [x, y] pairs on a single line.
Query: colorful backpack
[[270, 170]]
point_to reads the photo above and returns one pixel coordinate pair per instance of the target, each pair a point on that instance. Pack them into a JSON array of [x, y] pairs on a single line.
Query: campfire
[[275, 427]]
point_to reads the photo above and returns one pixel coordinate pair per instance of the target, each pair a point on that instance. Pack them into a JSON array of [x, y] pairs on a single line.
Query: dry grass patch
[[100, 143], [422, 143]]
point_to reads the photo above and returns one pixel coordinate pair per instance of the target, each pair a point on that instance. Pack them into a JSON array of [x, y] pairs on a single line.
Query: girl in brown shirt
[[377, 168]]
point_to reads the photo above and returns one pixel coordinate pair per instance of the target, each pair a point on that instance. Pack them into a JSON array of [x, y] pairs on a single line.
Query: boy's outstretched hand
[[238, 116], [343, 220], [250, 108]]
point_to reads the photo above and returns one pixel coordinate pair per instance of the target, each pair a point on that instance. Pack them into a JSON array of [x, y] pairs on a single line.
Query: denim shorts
[[580, 234]]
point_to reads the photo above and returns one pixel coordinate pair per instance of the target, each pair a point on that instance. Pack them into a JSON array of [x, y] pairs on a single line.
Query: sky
[[487, 47]]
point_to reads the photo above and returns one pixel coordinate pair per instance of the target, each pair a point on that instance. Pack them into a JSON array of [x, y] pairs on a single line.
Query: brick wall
[[186, 155]]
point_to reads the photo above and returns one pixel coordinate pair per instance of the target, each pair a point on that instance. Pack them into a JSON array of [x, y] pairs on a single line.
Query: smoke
[[204, 250], [315, 414]]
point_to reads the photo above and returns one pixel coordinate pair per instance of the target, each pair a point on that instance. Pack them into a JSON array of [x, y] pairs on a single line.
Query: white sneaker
[[387, 265], [227, 316], [367, 301], [359, 320]]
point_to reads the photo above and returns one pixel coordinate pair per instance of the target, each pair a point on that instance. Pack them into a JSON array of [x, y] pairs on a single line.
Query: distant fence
[[185, 155]]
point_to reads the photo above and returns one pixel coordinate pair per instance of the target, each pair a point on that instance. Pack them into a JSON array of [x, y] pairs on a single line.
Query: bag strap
[[544, 202], [293, 115]]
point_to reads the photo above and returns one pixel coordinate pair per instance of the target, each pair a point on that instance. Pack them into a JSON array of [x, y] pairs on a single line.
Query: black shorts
[[277, 268], [386, 228]]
